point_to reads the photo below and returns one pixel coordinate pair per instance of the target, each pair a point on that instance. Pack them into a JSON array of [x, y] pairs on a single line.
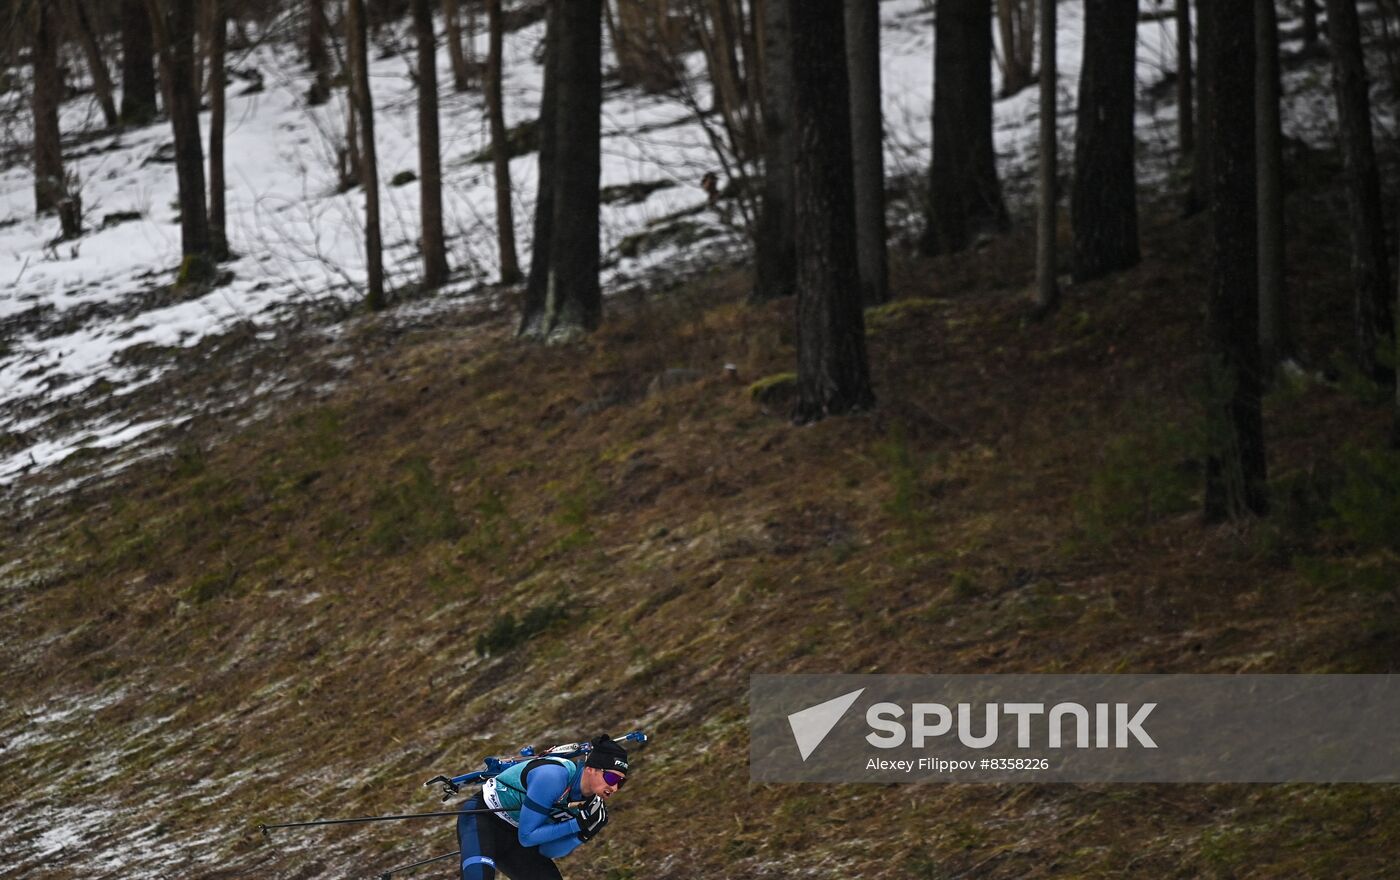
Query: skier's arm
[[538, 827]]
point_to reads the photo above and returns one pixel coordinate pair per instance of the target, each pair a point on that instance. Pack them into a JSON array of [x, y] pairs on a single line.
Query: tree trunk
[[1369, 259], [1047, 297], [1235, 463], [500, 148], [965, 202], [1103, 202], [833, 375], [429, 159], [1185, 102], [357, 38], [101, 79], [868, 145], [1274, 338], [218, 46], [461, 77], [49, 185], [775, 260], [534, 308], [175, 33], [1017, 30], [317, 56], [138, 70]]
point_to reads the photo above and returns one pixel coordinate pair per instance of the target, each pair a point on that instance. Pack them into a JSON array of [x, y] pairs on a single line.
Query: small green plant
[[506, 632], [212, 585], [1367, 503], [1141, 477], [414, 511]]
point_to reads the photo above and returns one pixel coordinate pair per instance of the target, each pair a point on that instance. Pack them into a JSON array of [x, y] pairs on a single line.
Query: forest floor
[[464, 543]]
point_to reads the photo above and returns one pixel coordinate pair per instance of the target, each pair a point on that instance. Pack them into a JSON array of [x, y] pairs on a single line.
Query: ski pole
[[265, 828], [392, 871]]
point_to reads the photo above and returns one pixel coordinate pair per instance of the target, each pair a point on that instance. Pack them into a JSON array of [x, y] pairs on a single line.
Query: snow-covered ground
[[85, 324]]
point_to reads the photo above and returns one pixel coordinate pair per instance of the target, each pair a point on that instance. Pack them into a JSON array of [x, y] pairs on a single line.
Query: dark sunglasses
[[613, 779]]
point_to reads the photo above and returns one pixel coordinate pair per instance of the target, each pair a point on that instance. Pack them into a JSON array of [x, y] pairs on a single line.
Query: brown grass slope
[[286, 624]]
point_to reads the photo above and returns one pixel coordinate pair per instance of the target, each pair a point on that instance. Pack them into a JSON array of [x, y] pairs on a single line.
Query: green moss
[[772, 389]]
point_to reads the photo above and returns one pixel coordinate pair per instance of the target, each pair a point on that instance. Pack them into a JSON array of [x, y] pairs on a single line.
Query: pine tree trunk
[[1369, 259], [534, 308], [1185, 102], [868, 145], [1235, 463], [1014, 58], [1198, 196], [357, 38], [138, 70], [775, 260], [218, 46], [500, 148], [1274, 338], [832, 369], [1047, 287], [965, 202], [317, 56], [461, 77], [573, 295], [49, 187], [101, 79], [429, 158], [1310, 33], [1103, 201]]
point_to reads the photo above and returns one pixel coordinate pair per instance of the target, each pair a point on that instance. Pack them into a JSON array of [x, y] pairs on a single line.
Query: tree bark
[[174, 31], [317, 56], [868, 145], [461, 76], [1016, 24], [965, 202], [48, 154], [572, 302], [1198, 195], [429, 157], [101, 79], [1274, 337], [1369, 259], [775, 260], [833, 375], [500, 148], [138, 71], [1047, 297], [533, 312], [357, 38], [1103, 202], [1310, 32], [1235, 462], [218, 46]]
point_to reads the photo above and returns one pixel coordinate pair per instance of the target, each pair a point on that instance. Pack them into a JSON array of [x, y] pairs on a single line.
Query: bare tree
[[173, 23], [965, 201], [868, 147], [1274, 338], [461, 73], [1016, 24], [535, 305], [1047, 297], [1185, 102], [429, 158], [833, 374], [218, 46], [49, 187], [357, 39], [1103, 200], [317, 56], [101, 79], [500, 147], [138, 71], [1235, 462], [1370, 261], [775, 260]]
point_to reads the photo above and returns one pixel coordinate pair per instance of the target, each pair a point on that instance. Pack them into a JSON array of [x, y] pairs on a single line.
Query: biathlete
[[546, 807]]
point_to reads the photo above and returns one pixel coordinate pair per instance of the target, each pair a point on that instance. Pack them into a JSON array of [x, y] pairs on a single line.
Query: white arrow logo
[[811, 725]]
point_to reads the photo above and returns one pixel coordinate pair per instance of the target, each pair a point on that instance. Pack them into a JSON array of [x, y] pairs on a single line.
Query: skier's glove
[[592, 818]]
